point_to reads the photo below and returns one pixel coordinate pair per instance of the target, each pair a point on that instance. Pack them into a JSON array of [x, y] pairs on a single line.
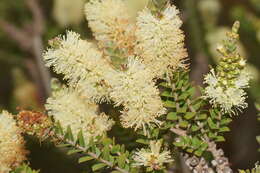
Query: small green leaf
[[189, 115], [167, 94], [194, 128], [201, 117], [97, 151], [121, 161], [184, 124], [85, 159], [107, 141], [224, 129], [143, 141], [225, 121], [164, 84], [115, 149], [213, 114], [59, 129], [191, 91], [172, 116], [183, 109], [106, 152], [63, 145], [73, 152], [98, 166], [220, 139], [69, 134], [184, 96], [212, 135], [211, 124], [190, 150], [169, 104], [81, 139], [198, 152]]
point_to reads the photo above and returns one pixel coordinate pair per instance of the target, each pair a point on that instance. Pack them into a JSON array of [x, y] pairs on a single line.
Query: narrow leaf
[[85, 159], [98, 166]]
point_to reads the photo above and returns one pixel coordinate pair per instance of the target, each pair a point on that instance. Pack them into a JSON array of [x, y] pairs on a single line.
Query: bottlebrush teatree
[[160, 41], [154, 157], [12, 151], [226, 86], [81, 63], [135, 89], [69, 109], [111, 23]]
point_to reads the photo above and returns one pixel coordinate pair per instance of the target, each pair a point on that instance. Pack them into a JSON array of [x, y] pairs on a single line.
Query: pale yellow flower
[[135, 89], [230, 100], [160, 41], [12, 151], [153, 158], [111, 23], [81, 63], [69, 109]]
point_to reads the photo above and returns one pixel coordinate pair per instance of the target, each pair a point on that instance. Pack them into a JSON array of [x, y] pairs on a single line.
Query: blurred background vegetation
[[27, 25]]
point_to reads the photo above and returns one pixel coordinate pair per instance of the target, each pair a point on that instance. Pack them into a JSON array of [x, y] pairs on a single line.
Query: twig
[[220, 162], [92, 154], [179, 132]]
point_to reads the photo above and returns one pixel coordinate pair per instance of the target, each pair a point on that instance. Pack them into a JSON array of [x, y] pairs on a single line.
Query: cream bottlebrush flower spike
[[134, 88], [12, 151], [160, 41], [153, 158], [81, 63], [111, 23], [225, 87], [69, 109]]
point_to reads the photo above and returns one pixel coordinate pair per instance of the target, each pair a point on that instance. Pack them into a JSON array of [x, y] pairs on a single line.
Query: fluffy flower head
[[136, 91], [231, 99], [111, 23], [160, 41], [225, 87], [152, 157], [69, 109], [11, 143], [79, 61]]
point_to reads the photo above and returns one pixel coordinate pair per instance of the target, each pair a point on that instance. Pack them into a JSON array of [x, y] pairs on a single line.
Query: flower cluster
[[153, 158], [111, 26], [150, 46], [81, 63], [134, 88], [71, 110], [12, 149], [226, 86], [160, 40]]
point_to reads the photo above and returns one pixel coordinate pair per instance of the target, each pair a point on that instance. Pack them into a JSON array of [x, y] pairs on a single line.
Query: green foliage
[[254, 170], [24, 169], [191, 116], [103, 150]]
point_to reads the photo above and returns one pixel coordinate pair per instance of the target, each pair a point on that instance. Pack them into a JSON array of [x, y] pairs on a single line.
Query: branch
[[178, 132], [220, 162], [92, 154]]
